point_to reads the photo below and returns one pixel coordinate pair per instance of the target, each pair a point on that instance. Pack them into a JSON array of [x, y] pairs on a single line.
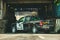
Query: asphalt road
[[29, 36]]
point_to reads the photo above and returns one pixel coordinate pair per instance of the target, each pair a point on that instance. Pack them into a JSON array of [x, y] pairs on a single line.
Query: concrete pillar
[[4, 9], [2, 22], [1, 10]]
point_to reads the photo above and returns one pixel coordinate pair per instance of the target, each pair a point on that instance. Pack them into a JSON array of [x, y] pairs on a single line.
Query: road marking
[[41, 37]]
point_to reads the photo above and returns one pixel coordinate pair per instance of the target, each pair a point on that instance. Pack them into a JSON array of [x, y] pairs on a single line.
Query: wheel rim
[[13, 29]]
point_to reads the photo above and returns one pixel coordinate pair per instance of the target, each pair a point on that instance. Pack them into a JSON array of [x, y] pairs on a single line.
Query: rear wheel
[[58, 31], [34, 29]]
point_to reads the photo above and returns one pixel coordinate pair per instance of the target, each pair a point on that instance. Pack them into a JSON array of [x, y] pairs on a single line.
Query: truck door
[[20, 24]]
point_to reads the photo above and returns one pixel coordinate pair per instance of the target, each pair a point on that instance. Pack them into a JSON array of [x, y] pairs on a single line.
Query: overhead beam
[[28, 1]]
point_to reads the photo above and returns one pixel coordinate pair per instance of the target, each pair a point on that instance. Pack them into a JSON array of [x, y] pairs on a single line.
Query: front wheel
[[13, 30]]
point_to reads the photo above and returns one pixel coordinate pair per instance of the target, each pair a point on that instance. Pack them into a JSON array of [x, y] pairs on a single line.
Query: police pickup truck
[[31, 24]]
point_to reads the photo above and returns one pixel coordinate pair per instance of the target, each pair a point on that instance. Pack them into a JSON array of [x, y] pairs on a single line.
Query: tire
[[34, 29], [58, 31], [13, 29]]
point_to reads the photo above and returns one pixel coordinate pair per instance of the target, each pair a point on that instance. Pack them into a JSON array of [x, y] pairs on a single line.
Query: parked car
[[30, 23]]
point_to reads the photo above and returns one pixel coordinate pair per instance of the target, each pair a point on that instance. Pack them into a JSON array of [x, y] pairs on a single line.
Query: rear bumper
[[50, 29]]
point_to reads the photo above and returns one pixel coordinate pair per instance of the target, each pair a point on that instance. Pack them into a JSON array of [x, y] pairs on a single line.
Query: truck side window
[[28, 18]]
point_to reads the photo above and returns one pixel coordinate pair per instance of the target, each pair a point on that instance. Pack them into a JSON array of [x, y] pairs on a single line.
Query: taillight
[[41, 23]]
